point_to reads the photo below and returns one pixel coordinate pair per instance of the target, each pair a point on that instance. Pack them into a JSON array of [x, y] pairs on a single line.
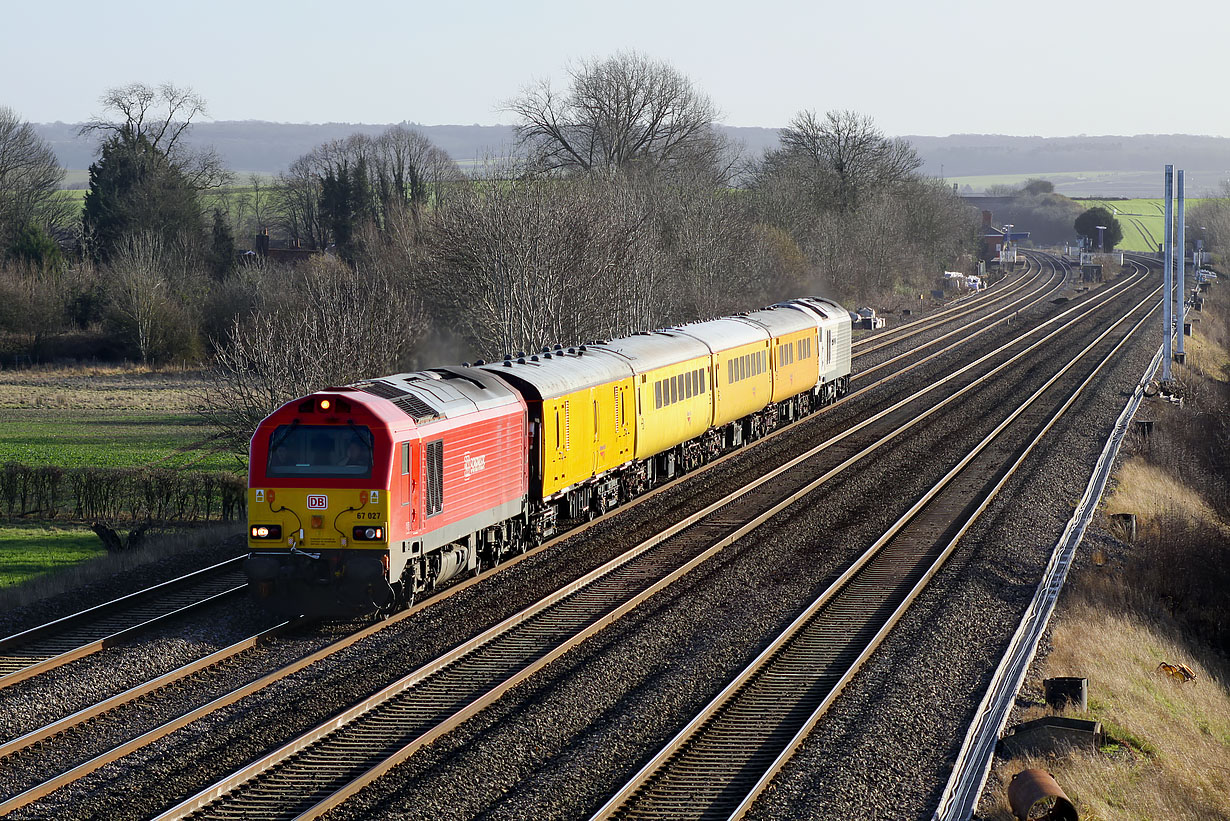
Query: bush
[[1181, 563], [113, 494]]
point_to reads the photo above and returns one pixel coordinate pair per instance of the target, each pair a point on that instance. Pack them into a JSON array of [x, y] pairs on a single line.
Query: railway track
[[964, 308], [727, 756], [43, 648], [322, 768], [206, 709], [1004, 310]]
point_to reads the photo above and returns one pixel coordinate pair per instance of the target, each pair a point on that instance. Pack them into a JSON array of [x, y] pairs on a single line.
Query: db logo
[[318, 502]]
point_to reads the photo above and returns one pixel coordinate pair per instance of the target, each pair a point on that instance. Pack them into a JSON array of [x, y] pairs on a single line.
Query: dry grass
[[111, 564], [1170, 756], [1150, 492], [101, 388], [1209, 347]]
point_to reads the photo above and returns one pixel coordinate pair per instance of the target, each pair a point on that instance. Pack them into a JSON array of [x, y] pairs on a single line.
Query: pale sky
[[929, 68]]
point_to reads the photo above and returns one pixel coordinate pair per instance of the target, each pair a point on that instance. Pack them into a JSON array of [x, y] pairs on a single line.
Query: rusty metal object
[[1033, 795]]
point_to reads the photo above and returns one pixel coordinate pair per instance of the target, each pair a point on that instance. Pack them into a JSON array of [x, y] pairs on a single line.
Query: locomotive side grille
[[416, 408], [382, 389], [433, 463]]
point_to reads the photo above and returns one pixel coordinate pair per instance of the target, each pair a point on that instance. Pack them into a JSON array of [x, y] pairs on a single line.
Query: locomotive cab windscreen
[[320, 451]]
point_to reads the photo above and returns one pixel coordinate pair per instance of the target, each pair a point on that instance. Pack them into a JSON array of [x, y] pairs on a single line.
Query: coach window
[[657, 394], [674, 390]]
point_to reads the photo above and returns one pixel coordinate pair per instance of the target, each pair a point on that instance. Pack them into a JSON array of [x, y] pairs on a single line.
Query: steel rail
[[426, 704], [1024, 302], [175, 676], [1131, 280], [973, 763], [742, 734], [42, 648], [960, 308]]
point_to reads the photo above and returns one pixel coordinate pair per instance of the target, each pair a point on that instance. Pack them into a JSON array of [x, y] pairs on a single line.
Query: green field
[[29, 550], [1070, 183], [106, 417], [1142, 221], [109, 438], [115, 417]]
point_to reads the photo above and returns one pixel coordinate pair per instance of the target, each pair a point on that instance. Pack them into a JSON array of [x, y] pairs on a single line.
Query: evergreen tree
[[34, 245], [221, 247], [134, 187], [1087, 226]]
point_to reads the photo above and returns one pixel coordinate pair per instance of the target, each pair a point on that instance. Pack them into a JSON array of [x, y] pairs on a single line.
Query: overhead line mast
[[1167, 276], [1181, 296]]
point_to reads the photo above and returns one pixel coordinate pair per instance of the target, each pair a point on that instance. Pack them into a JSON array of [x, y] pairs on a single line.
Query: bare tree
[[624, 112], [161, 117], [402, 171], [320, 325], [141, 293], [30, 175], [843, 155], [518, 262]]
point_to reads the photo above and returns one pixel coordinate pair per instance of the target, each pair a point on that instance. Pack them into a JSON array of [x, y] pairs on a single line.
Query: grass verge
[[102, 565], [31, 550]]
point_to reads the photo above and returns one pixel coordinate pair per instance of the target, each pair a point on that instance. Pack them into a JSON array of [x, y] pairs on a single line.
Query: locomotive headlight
[[368, 534], [325, 404], [265, 531], [371, 533]]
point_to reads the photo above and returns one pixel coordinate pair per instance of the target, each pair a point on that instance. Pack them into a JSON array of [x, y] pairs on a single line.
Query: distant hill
[[1123, 166]]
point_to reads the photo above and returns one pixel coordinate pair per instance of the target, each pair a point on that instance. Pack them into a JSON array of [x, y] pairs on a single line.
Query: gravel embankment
[[196, 756], [647, 676]]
